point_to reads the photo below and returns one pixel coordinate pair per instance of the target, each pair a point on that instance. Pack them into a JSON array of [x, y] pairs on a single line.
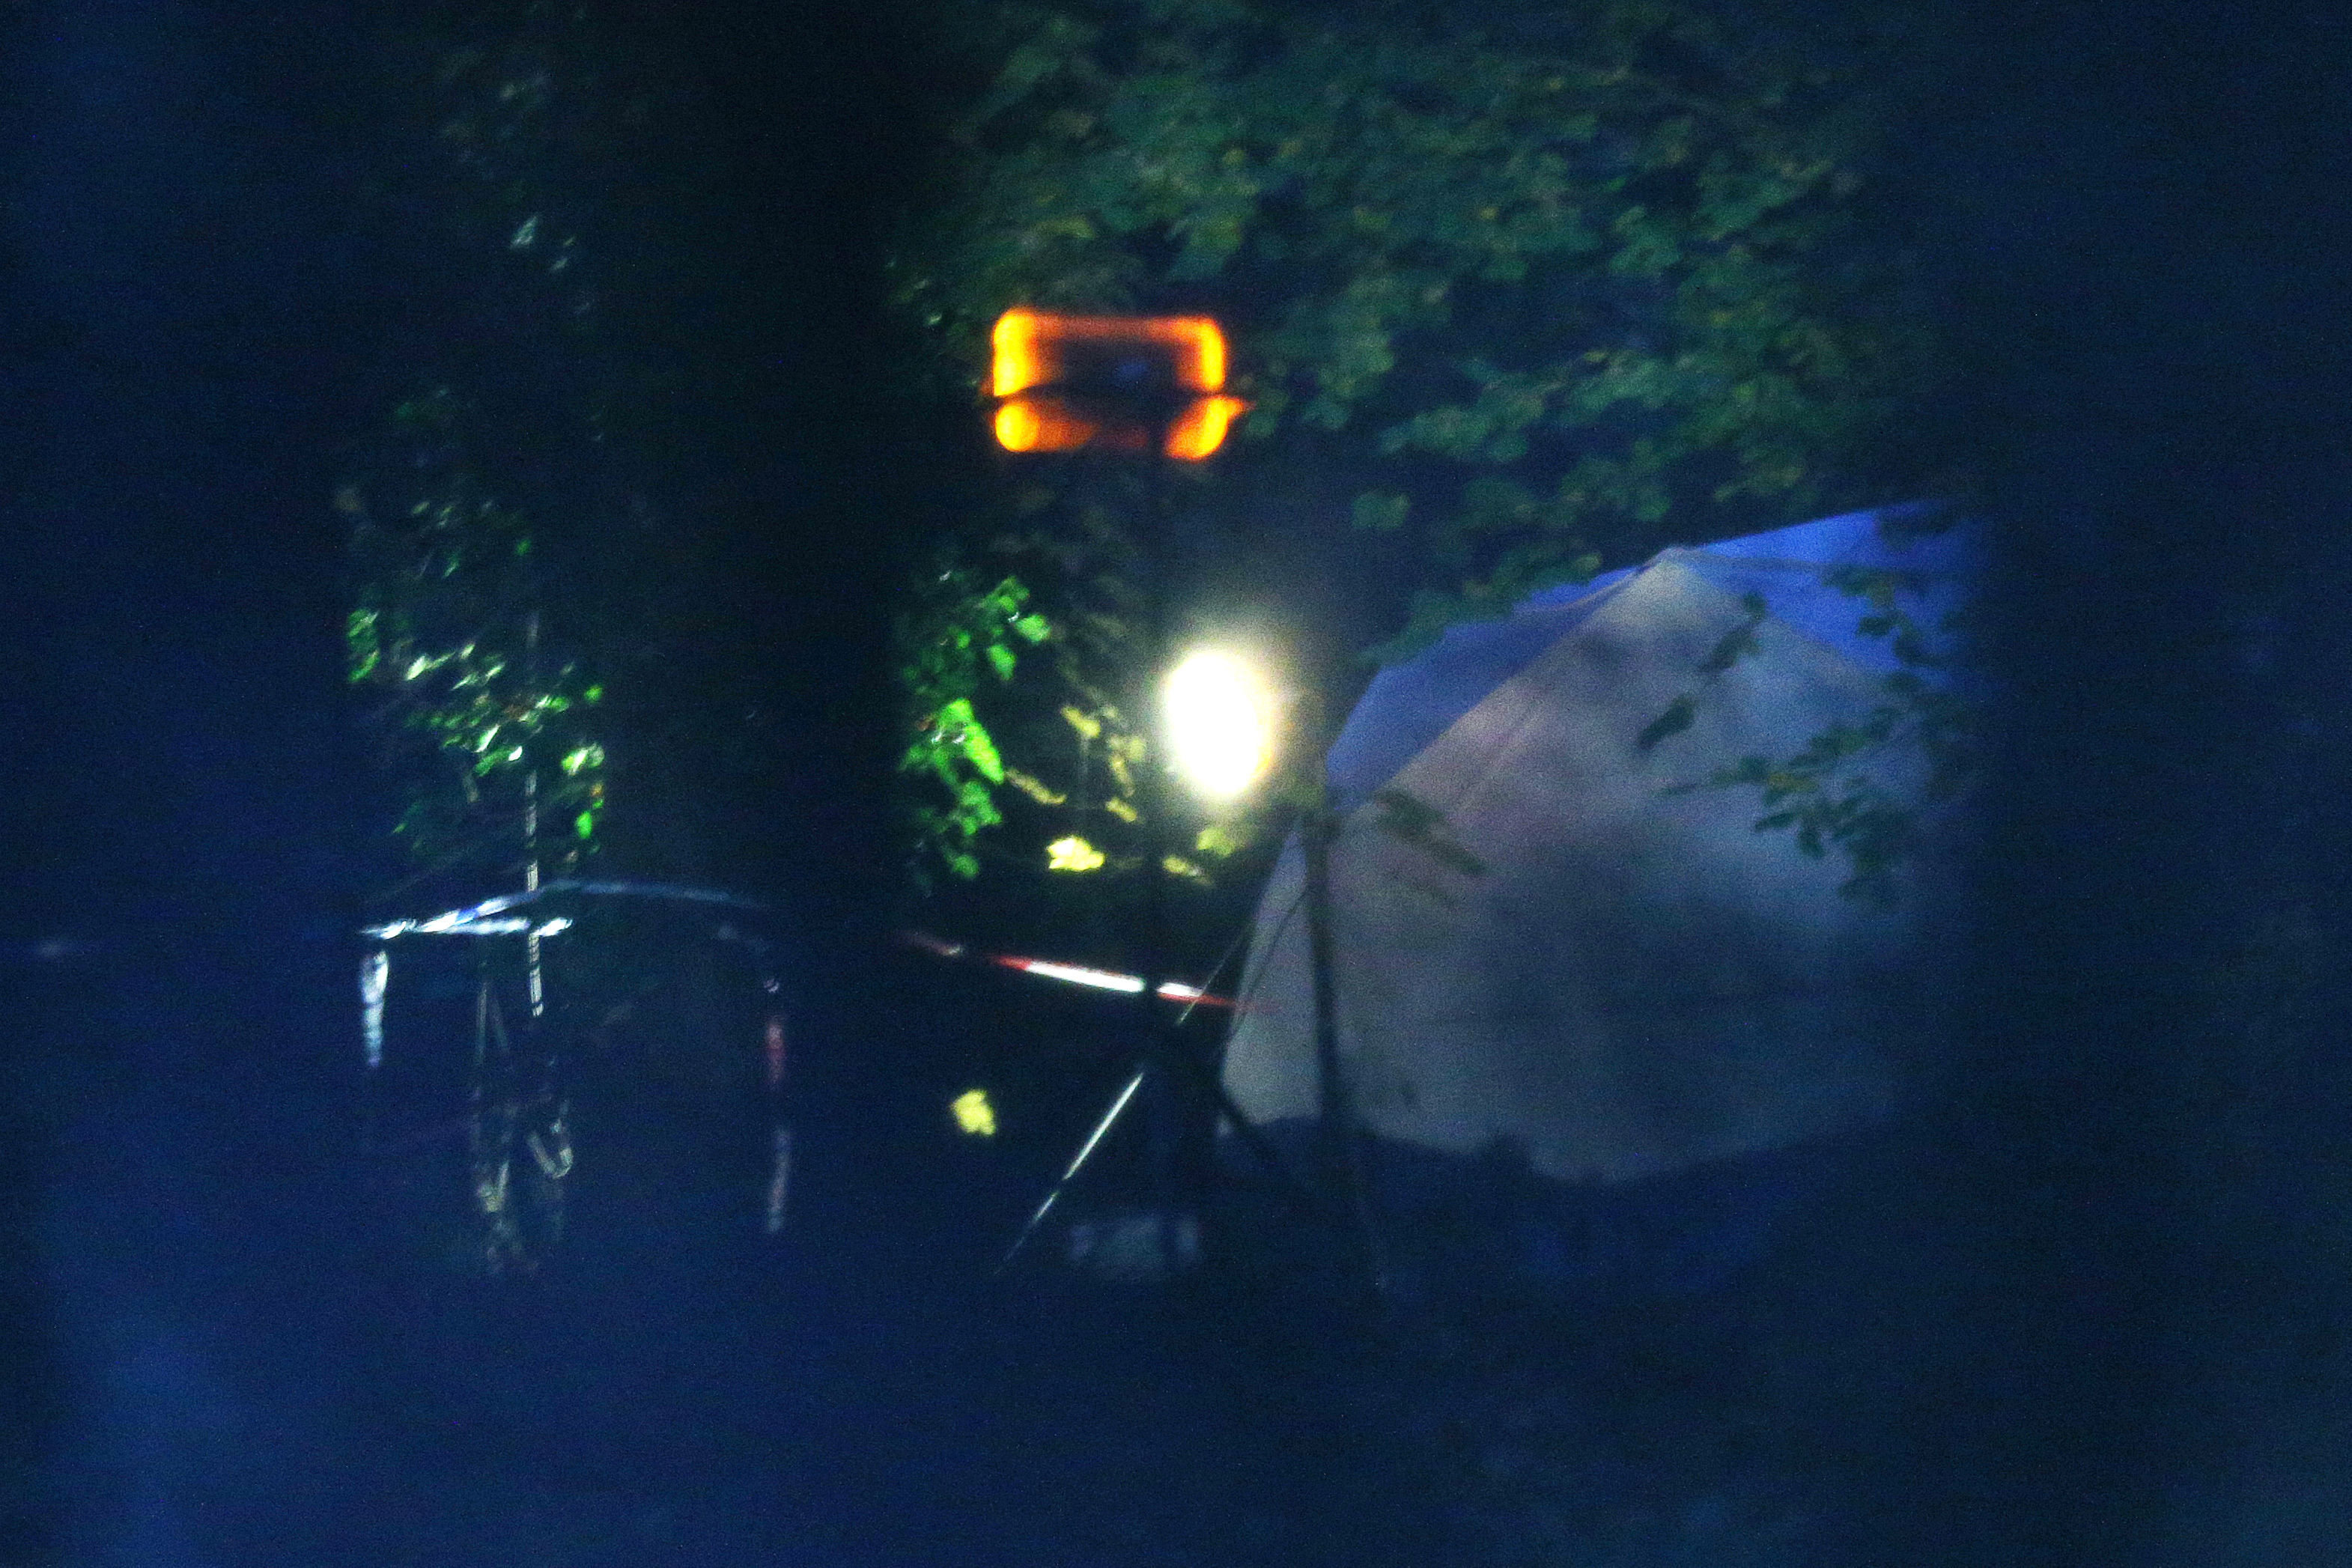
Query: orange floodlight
[[1200, 429], [1129, 381], [1043, 425]]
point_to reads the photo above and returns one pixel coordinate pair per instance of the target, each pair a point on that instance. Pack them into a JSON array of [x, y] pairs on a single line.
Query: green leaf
[[1034, 788], [1381, 512], [1740, 641], [1678, 717], [1220, 840], [961, 729], [1411, 820], [366, 645], [1576, 302]]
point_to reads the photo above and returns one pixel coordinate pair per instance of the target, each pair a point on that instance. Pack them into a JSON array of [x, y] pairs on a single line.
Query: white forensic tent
[[1617, 984]]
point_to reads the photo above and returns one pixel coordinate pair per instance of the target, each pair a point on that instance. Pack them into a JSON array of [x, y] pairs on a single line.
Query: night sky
[[2135, 217]]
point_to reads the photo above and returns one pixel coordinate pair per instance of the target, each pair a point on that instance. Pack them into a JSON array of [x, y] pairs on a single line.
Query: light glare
[[1220, 734], [1079, 974]]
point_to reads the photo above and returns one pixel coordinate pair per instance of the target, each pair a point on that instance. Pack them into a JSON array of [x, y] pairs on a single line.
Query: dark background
[[2136, 218]]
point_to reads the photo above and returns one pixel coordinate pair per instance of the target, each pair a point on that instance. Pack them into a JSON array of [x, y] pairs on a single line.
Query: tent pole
[[1178, 1166], [1318, 844], [1342, 1161]]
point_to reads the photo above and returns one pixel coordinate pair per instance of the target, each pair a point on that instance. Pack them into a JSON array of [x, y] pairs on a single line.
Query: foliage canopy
[[492, 741], [468, 505], [1551, 294]]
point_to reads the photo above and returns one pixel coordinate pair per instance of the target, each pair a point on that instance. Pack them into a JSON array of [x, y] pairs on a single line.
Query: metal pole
[[1163, 1039], [531, 824], [1331, 1100], [1078, 1161], [1341, 1151]]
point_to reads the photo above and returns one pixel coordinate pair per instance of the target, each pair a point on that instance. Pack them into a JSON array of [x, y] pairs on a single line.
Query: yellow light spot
[[1018, 363], [1018, 426], [973, 1114], [1072, 854]]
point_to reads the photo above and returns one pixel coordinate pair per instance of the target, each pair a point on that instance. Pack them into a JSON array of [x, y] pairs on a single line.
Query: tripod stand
[[1166, 1052]]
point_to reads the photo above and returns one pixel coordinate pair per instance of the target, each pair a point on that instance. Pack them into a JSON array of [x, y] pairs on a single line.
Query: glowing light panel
[[1201, 428], [1035, 350], [1043, 425]]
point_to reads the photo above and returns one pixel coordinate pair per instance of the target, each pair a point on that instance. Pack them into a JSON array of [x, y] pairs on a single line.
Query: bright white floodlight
[[1220, 724]]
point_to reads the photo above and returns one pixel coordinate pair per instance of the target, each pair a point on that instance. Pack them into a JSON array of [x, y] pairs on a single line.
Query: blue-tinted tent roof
[[1411, 704]]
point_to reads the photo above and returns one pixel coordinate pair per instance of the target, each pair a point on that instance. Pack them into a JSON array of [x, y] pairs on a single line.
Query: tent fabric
[[1618, 983], [1410, 704]]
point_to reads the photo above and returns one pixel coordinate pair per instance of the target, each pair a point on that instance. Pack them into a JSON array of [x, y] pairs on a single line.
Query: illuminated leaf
[[366, 645], [1033, 788], [1220, 839], [973, 1114], [1072, 854], [961, 727]]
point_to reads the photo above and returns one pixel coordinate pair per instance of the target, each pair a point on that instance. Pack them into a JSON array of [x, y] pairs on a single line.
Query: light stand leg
[[1117, 1107], [1342, 1150], [1246, 1130]]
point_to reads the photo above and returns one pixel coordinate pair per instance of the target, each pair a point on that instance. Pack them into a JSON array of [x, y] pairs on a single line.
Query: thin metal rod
[[780, 1177], [1331, 1099], [1341, 1149], [1110, 1118], [1248, 1130], [530, 826]]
